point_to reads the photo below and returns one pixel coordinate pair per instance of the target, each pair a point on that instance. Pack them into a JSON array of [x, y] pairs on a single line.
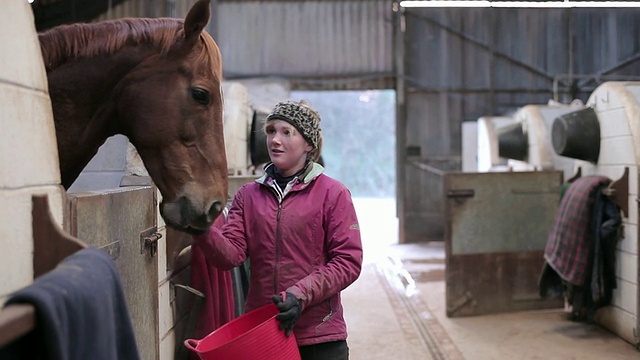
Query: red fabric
[[568, 245], [218, 307]]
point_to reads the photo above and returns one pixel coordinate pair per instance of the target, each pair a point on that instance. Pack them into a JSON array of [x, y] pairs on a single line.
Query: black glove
[[289, 311]]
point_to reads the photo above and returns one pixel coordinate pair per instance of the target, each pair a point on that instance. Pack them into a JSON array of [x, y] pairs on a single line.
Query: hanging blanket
[[218, 307], [568, 244], [217, 287], [81, 312]]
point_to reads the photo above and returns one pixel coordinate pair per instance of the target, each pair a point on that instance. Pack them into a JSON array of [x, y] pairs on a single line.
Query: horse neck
[[81, 92]]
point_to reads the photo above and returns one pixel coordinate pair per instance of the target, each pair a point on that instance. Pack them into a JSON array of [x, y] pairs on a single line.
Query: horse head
[[157, 81], [170, 107]]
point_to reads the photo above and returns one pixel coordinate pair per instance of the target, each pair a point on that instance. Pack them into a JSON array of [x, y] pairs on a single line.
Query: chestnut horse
[[156, 81]]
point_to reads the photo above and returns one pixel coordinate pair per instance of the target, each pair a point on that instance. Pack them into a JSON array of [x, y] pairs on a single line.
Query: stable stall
[[556, 145]]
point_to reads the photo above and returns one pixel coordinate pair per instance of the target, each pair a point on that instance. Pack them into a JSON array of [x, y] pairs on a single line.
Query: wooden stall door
[[114, 220], [496, 230]]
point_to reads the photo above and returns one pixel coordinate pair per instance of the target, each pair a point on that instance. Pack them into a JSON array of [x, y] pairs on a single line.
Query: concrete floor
[[396, 310]]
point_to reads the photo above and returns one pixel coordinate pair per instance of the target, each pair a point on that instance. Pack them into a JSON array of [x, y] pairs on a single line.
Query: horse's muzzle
[[183, 215]]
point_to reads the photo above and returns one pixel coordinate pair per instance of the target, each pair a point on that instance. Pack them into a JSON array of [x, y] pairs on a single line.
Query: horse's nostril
[[215, 210]]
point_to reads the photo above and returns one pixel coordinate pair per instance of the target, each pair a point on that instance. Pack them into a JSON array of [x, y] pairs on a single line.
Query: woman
[[299, 228]]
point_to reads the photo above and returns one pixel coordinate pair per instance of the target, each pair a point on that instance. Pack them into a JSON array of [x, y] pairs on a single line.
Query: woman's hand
[[289, 311]]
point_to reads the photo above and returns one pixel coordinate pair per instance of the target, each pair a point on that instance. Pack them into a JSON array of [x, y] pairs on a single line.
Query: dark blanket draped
[[81, 313]]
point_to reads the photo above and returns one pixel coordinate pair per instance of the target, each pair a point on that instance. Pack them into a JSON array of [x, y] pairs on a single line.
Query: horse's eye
[[201, 96]]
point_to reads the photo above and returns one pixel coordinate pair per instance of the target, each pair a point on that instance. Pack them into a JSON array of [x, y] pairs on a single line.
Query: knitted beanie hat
[[300, 115]]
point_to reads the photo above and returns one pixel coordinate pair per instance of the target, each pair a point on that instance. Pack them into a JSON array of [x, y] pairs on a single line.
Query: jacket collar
[[312, 172]]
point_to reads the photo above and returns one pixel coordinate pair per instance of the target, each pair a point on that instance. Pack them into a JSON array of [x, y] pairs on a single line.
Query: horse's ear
[[196, 20]]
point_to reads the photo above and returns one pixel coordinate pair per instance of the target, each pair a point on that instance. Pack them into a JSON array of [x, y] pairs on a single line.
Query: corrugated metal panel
[[154, 9], [462, 64], [607, 41], [132, 8], [148, 8], [136, 8], [50, 13], [318, 44], [518, 51]]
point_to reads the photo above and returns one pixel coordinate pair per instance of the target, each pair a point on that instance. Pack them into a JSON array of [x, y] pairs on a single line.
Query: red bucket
[[254, 335]]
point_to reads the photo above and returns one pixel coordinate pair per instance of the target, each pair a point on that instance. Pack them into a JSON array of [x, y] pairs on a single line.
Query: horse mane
[[85, 40]]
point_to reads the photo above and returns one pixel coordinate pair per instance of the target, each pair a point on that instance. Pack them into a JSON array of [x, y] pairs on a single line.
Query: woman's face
[[287, 148]]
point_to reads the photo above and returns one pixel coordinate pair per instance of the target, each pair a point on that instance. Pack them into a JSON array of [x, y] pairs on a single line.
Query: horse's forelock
[[73, 41]]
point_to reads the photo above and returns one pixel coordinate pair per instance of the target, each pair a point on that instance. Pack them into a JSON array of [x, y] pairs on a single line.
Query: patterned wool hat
[[300, 115]]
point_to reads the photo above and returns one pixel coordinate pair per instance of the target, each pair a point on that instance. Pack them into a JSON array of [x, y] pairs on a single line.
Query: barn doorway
[[360, 151]]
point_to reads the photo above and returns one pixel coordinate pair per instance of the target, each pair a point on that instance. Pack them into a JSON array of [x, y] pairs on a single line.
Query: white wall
[[618, 109], [237, 115], [28, 150], [488, 155], [470, 146]]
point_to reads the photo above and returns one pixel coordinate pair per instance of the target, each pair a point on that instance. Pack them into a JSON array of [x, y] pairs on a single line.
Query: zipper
[[328, 316], [279, 198], [275, 270]]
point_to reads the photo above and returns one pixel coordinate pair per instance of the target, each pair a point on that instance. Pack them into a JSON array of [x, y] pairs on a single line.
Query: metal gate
[[496, 231], [116, 220]]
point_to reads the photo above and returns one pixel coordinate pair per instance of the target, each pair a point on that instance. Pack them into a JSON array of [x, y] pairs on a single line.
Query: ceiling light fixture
[[519, 4]]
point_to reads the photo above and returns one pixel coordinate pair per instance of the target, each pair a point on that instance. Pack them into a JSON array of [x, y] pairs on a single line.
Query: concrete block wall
[[617, 105], [28, 150]]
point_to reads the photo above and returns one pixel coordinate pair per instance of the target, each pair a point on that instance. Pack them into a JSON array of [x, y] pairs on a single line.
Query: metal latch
[[149, 241], [460, 193]]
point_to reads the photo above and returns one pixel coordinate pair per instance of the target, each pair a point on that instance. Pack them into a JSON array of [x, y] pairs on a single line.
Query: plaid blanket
[[569, 243]]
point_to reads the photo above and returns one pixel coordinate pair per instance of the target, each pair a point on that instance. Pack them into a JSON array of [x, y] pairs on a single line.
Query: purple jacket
[[305, 241]]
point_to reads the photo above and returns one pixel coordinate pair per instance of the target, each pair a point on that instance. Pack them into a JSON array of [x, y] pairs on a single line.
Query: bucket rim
[[268, 307]]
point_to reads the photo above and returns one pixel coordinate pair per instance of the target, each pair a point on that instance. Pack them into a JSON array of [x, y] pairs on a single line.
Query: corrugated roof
[[326, 44]]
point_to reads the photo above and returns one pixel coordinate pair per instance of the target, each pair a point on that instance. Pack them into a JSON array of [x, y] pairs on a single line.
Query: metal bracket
[[463, 301], [149, 241]]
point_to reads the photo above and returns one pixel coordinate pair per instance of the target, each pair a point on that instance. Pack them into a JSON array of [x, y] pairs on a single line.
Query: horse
[[156, 81]]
